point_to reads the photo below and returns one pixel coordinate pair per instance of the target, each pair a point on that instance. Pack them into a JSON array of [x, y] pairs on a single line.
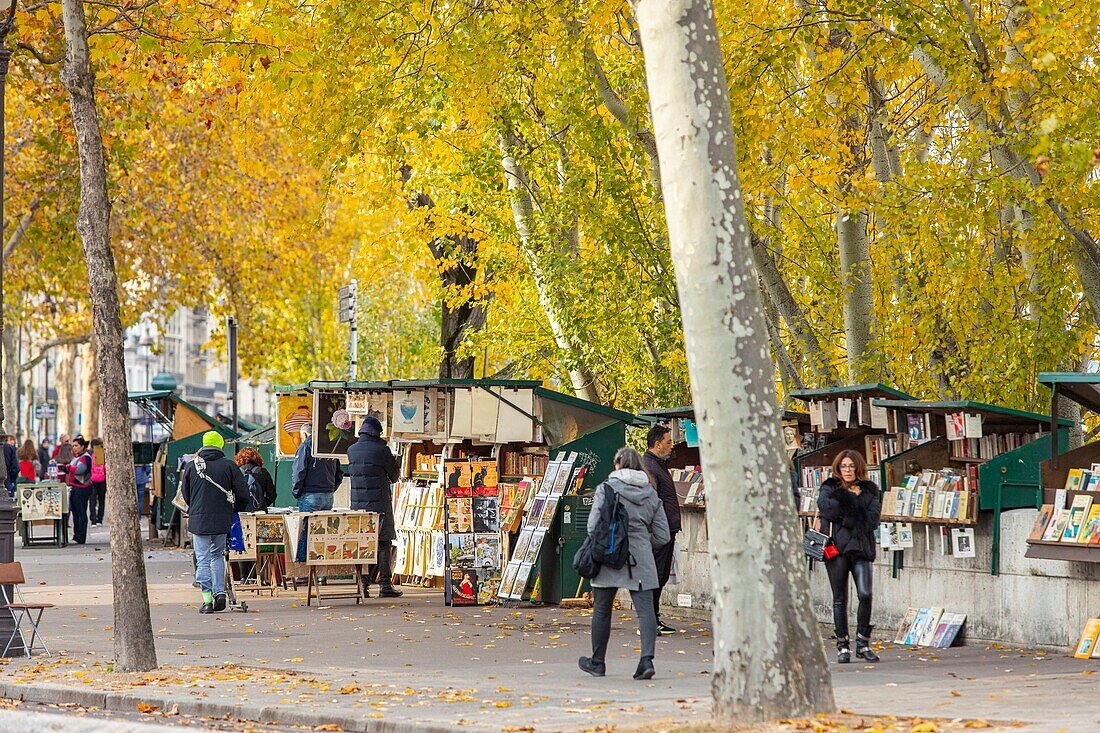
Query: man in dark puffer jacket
[[214, 489], [372, 468]]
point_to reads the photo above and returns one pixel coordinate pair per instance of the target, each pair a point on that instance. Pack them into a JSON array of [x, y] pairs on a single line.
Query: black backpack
[[609, 542], [255, 493]]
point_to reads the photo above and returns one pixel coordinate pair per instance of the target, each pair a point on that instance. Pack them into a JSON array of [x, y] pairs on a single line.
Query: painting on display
[[38, 502], [408, 412], [333, 425], [339, 538], [473, 531], [295, 412]]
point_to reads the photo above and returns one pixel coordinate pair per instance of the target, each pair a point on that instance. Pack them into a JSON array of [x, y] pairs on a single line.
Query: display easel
[[43, 504]]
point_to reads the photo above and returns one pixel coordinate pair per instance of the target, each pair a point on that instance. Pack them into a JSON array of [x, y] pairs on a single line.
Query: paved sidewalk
[[417, 665]]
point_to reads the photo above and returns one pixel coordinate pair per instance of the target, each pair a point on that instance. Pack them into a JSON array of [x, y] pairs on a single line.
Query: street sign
[[347, 303], [44, 411]]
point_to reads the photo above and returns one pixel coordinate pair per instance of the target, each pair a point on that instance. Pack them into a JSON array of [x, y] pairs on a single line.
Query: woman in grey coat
[[647, 528]]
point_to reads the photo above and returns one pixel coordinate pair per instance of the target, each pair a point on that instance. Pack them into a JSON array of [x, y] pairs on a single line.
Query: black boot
[[863, 648], [386, 589], [843, 653], [645, 669], [220, 602]]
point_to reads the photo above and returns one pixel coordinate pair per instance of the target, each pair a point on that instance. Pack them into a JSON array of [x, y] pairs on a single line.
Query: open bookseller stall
[[945, 493], [43, 513], [1068, 494], [843, 418], [493, 476], [692, 588]]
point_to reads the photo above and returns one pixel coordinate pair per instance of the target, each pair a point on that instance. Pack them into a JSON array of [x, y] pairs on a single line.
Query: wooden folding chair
[[11, 574]]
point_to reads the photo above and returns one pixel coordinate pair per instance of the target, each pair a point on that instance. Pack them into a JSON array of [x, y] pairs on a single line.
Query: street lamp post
[[7, 507]]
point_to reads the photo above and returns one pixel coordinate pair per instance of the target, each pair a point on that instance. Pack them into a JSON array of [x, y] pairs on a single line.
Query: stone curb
[[127, 701]]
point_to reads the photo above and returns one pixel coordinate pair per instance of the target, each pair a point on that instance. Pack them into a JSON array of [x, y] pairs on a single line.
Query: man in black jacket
[[214, 489], [373, 468], [659, 448]]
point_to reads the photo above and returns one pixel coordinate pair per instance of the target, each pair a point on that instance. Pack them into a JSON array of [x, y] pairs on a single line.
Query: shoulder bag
[[818, 545]]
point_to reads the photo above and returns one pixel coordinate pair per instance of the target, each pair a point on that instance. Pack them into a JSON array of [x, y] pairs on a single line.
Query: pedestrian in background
[[373, 469], [850, 509], [314, 483], [63, 451], [11, 465], [142, 476], [213, 489], [99, 482], [80, 488], [44, 459], [28, 462], [655, 460], [252, 465], [647, 529]]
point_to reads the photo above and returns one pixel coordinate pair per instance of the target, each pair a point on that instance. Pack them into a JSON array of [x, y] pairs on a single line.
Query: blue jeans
[[310, 503], [209, 562]]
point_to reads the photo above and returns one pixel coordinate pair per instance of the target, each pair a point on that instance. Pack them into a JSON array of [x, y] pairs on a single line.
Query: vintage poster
[[459, 478], [460, 515], [408, 412], [462, 587], [488, 579], [507, 580], [333, 427], [295, 412], [462, 550], [38, 502], [487, 550], [436, 414], [340, 538], [357, 403], [486, 514], [484, 478]]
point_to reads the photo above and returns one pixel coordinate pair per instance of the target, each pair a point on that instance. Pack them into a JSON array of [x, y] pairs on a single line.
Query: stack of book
[[1080, 524], [1087, 648], [814, 476], [989, 446], [807, 499], [689, 485], [929, 627], [525, 464], [943, 494], [1081, 479], [878, 448]]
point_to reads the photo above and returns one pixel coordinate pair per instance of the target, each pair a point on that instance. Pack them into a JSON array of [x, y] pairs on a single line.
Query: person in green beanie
[[213, 489]]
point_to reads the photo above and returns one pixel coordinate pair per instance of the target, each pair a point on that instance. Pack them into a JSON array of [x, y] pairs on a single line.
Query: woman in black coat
[[850, 507], [373, 468]]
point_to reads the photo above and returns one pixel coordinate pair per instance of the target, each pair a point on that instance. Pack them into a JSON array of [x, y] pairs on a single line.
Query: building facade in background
[[181, 348]]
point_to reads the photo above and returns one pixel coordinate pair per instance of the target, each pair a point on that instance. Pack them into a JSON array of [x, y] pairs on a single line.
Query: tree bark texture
[[859, 295], [133, 632], [66, 389], [523, 212], [11, 373], [769, 661], [89, 390], [797, 323]]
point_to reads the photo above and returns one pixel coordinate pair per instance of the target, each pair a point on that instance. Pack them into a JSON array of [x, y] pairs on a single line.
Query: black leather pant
[[838, 569]]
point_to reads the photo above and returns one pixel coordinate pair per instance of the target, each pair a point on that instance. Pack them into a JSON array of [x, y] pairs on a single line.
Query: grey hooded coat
[[648, 529]]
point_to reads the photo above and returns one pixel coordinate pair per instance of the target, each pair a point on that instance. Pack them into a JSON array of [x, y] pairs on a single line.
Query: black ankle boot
[[645, 669], [843, 653], [388, 591], [863, 649]]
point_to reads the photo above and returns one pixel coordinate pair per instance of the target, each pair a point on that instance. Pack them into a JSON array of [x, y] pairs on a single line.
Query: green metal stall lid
[[871, 389], [994, 415], [157, 395], [687, 412], [1082, 388], [535, 385], [264, 434]]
